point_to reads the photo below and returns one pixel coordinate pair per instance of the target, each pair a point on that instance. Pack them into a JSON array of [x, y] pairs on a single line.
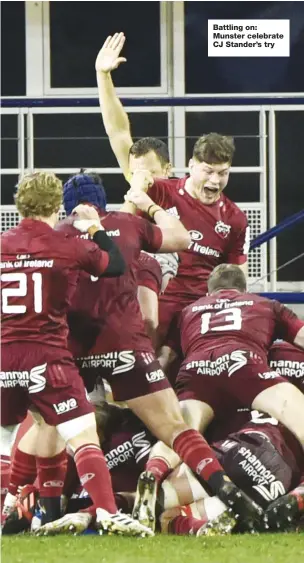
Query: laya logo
[[195, 235], [65, 406], [155, 376], [222, 229]]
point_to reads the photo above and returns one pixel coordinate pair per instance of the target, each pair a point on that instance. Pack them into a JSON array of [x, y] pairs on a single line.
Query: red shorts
[[224, 379], [130, 373], [264, 460], [43, 377]]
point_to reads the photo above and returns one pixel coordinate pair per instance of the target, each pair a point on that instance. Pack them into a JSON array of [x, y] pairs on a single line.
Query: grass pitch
[[278, 548]]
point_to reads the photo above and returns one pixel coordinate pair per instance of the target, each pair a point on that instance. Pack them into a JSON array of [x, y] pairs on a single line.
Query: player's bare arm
[[114, 117], [141, 180]]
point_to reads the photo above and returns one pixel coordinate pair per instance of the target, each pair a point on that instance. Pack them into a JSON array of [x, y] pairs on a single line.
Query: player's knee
[[79, 430]]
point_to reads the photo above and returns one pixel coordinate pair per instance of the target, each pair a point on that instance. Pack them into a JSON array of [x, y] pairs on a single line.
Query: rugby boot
[[145, 500], [249, 516], [120, 524], [285, 512]]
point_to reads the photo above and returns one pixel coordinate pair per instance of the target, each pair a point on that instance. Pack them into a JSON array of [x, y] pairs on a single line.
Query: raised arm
[[115, 119]]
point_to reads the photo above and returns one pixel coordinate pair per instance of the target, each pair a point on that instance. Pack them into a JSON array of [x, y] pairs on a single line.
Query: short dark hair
[[214, 149], [148, 144], [227, 276]]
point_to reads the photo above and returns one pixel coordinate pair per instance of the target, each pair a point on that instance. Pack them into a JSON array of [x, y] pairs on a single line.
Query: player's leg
[[163, 459], [66, 406], [284, 402], [191, 447], [7, 437], [14, 406]]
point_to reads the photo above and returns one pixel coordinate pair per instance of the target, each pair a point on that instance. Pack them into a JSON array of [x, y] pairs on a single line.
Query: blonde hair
[[227, 276], [39, 194]]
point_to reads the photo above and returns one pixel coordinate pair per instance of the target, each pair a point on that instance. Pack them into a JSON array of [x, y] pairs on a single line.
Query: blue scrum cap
[[85, 187]]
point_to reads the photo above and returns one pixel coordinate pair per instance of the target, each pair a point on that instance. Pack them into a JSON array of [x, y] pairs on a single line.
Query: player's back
[[217, 232], [112, 302], [37, 283], [230, 318]]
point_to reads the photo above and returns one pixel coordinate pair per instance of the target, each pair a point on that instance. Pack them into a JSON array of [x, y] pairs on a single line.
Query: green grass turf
[[279, 548]]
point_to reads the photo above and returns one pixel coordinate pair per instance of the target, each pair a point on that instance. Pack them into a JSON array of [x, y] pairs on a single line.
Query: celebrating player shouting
[[218, 228]]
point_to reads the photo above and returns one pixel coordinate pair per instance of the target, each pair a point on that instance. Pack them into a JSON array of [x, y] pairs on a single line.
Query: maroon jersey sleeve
[[239, 241], [149, 273], [89, 257], [150, 235], [287, 322]]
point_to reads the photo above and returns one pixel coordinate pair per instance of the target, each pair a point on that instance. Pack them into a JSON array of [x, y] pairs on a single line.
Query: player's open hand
[[108, 57], [139, 198], [141, 180]]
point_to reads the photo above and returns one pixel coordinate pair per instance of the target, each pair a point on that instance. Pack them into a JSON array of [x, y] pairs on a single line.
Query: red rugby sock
[[23, 471], [185, 525], [159, 467], [51, 475], [197, 454], [95, 477]]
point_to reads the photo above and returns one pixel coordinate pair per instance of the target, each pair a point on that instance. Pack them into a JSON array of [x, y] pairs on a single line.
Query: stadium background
[[52, 49]]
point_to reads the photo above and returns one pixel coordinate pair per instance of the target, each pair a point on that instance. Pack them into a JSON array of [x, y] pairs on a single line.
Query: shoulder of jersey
[[233, 211]]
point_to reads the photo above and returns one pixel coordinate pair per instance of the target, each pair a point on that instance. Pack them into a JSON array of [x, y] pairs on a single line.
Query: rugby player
[[39, 271], [122, 353], [225, 339], [218, 228]]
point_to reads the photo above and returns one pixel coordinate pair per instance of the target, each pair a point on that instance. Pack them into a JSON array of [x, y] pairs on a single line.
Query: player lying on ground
[[39, 270], [260, 456]]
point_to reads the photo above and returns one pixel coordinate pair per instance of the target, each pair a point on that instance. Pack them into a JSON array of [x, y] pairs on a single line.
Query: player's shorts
[[256, 465], [130, 373], [43, 377], [225, 379]]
